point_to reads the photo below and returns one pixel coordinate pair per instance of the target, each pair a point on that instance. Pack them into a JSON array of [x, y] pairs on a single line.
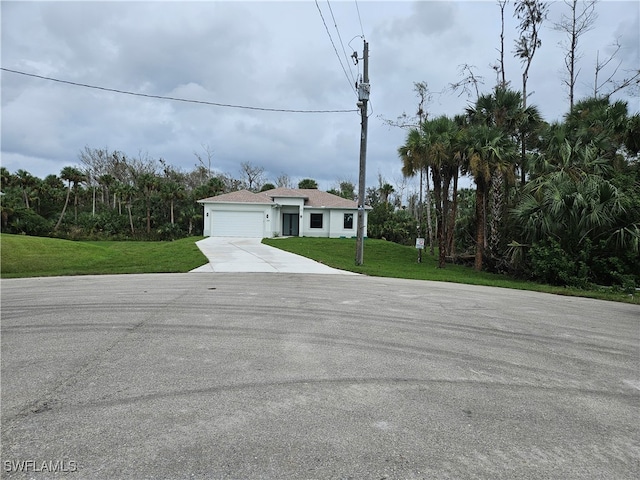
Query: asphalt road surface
[[291, 376]]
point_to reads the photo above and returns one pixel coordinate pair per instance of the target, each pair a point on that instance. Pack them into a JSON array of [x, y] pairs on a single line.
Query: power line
[[175, 99], [334, 48], [346, 57], [359, 19]]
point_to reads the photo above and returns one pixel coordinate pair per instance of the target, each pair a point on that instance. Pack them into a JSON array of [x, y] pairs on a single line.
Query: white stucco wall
[[337, 224], [269, 222], [332, 224]]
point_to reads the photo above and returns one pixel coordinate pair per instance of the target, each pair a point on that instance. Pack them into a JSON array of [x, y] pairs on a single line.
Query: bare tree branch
[[631, 80], [469, 80], [577, 24]]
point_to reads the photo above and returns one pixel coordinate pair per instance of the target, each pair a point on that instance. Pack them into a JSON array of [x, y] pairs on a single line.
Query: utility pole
[[420, 113], [420, 214], [363, 98]]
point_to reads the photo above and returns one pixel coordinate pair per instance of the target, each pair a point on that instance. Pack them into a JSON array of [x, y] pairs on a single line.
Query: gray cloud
[[263, 54]]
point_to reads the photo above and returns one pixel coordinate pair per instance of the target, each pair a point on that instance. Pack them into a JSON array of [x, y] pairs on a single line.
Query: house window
[[316, 220], [348, 221]]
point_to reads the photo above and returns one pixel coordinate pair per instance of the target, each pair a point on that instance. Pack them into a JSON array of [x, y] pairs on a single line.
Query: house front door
[[290, 225]]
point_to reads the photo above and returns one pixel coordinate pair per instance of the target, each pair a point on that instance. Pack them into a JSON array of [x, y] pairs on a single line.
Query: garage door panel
[[237, 224]]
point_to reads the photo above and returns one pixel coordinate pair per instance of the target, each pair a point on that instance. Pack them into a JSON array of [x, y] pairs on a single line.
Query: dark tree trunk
[[480, 227], [64, 209]]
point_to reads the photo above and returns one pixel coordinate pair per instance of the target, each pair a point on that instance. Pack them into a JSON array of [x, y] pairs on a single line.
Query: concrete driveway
[[228, 254]]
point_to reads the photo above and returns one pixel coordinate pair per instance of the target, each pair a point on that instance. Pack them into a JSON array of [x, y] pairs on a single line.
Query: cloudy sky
[[266, 54]]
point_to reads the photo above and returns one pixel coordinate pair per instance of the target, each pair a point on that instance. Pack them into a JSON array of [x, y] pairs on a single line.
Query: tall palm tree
[[78, 178], [446, 161], [489, 150], [6, 179], [530, 123], [73, 176], [414, 156], [459, 150], [172, 191], [503, 110], [26, 182], [385, 191], [432, 148], [128, 192], [600, 122], [107, 181], [147, 183]]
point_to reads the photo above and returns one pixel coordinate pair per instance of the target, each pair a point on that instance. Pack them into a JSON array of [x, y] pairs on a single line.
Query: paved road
[[262, 376]]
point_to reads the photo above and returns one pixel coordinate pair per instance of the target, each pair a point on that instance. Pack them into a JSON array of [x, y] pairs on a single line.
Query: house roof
[[241, 196], [311, 196]]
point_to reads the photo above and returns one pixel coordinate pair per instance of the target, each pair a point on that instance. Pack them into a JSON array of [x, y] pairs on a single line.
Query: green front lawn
[[388, 259], [24, 256]]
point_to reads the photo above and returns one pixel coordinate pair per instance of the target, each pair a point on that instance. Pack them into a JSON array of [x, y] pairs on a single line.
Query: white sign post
[[420, 243]]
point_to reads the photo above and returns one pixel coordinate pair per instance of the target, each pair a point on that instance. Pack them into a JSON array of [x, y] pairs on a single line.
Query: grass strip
[[388, 259], [25, 256]]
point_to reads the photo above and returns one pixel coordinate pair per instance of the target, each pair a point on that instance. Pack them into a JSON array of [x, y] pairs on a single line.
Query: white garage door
[[237, 224]]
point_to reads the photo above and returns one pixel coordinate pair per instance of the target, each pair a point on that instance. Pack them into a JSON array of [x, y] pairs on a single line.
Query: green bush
[[615, 267], [26, 221], [551, 264], [103, 224], [395, 226], [169, 231]]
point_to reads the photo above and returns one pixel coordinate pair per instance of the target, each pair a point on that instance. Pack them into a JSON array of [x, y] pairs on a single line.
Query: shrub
[[551, 264], [395, 226], [26, 221], [169, 231]]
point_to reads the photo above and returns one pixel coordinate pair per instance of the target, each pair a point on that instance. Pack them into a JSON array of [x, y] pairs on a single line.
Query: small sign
[[420, 243]]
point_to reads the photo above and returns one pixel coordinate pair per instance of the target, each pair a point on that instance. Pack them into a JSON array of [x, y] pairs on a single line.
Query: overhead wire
[[359, 19], [346, 57], [175, 99], [334, 47]]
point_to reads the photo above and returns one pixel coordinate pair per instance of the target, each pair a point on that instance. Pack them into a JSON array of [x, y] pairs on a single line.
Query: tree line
[[565, 209], [111, 195], [557, 202]]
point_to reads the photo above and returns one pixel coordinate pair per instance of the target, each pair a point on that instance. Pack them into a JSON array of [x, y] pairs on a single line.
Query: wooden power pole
[[363, 99]]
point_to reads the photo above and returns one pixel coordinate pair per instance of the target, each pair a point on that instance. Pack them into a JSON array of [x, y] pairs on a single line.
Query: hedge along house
[[284, 212]]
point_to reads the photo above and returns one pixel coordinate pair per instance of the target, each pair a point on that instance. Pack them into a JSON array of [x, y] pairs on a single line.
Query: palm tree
[[26, 182], [107, 181], [601, 123], [73, 176], [126, 192], [488, 151], [503, 110], [147, 184], [172, 191], [446, 160], [190, 214], [52, 191], [432, 147], [414, 159], [386, 190], [6, 179], [529, 124], [78, 178], [576, 210]]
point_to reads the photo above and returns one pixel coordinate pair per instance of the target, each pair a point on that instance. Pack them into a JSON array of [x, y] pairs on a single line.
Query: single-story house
[[287, 212]]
